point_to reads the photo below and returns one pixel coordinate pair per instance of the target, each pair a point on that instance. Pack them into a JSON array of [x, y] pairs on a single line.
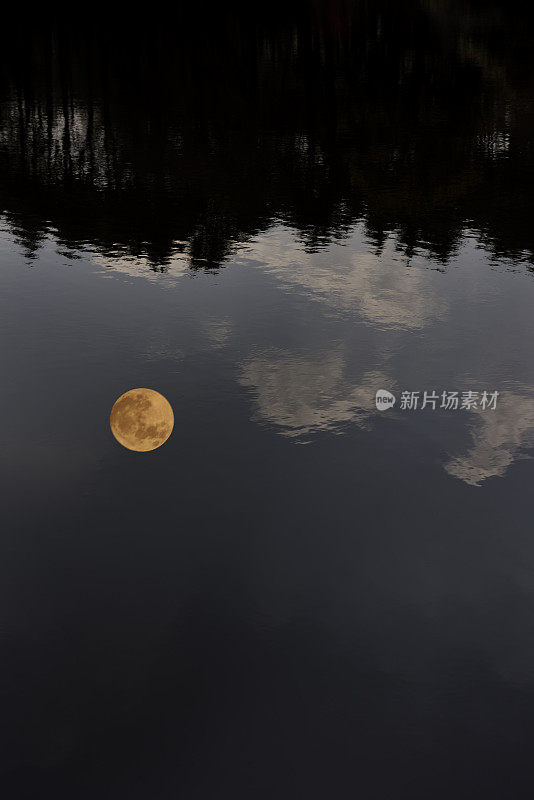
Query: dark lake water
[[268, 218]]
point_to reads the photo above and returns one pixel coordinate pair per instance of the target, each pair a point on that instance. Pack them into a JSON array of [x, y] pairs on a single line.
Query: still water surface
[[268, 220]]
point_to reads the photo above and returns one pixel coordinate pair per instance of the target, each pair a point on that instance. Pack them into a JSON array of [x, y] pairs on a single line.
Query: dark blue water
[[268, 218]]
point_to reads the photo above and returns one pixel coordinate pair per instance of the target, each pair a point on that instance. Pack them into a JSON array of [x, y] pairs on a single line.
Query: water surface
[[268, 218]]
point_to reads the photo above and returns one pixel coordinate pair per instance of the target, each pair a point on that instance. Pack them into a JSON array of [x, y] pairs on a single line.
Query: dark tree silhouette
[[147, 138]]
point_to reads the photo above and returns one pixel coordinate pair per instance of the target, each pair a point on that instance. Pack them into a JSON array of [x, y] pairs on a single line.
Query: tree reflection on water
[[148, 141]]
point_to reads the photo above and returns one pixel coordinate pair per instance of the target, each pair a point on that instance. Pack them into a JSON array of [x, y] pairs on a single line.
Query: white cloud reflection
[[175, 267], [348, 277], [304, 395], [500, 437]]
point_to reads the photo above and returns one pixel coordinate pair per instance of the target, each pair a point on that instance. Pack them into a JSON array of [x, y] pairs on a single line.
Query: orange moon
[[141, 420]]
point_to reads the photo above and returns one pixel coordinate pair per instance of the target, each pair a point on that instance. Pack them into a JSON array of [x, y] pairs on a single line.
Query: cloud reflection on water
[[348, 276], [304, 393], [500, 437]]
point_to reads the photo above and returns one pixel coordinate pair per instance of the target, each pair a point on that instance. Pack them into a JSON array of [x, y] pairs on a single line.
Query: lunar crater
[[141, 419]]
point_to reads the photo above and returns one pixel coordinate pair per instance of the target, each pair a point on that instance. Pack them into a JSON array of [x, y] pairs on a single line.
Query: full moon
[[141, 420]]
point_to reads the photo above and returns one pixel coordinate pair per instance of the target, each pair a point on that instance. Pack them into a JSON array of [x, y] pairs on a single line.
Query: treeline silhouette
[[194, 132]]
